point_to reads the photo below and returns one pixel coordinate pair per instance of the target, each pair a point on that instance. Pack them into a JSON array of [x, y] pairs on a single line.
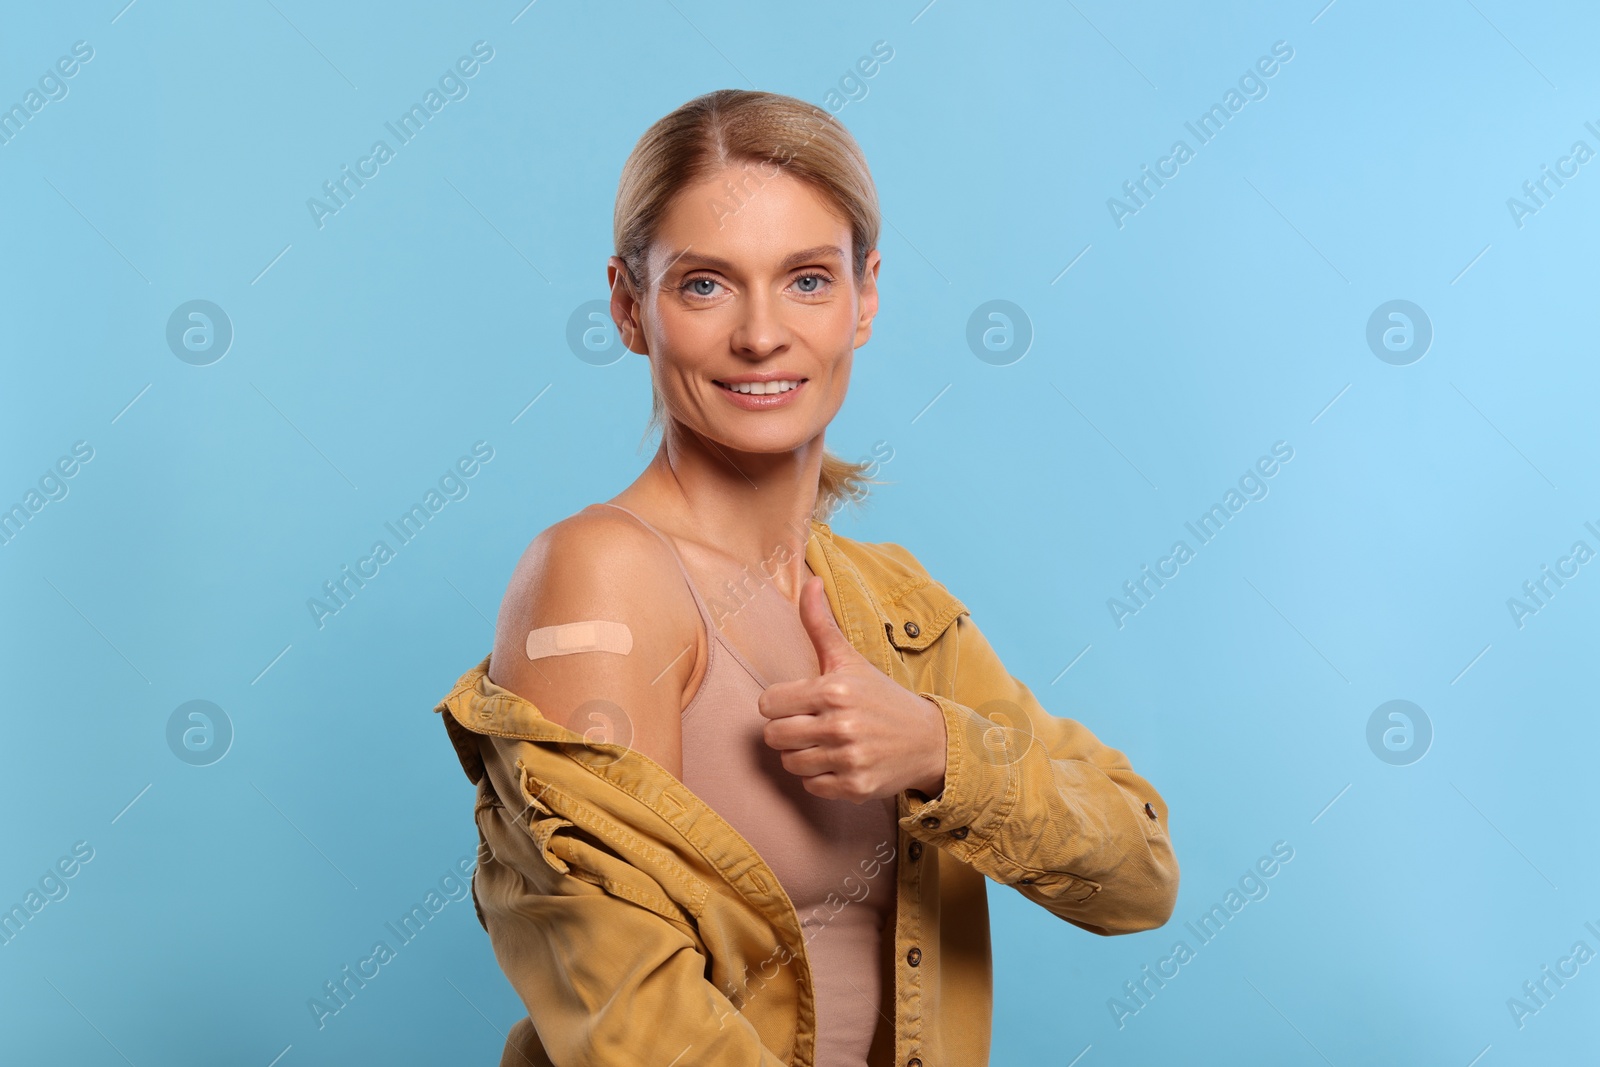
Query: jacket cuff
[[981, 784]]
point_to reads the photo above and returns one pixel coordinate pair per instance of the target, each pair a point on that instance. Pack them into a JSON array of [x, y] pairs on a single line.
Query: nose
[[760, 330]]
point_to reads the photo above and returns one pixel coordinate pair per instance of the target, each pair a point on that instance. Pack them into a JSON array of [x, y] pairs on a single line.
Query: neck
[[754, 507]]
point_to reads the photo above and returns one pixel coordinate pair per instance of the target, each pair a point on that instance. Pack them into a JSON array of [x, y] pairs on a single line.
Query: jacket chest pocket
[[920, 625]]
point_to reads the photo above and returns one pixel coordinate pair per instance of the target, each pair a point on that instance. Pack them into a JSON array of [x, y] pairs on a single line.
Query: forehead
[[756, 216]]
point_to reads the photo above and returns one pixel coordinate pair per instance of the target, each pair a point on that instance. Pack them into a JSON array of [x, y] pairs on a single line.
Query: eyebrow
[[794, 259]]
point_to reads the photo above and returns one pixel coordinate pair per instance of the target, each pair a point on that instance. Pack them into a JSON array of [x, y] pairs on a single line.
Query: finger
[[807, 763], [800, 697], [833, 649], [828, 786], [793, 733]]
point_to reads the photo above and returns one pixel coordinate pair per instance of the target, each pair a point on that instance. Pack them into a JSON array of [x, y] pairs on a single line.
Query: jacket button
[[1148, 810], [912, 629], [916, 850], [914, 1062], [959, 832], [914, 956], [930, 823], [1024, 881]]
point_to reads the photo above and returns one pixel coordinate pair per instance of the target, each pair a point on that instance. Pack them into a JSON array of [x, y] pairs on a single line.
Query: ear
[[869, 299], [625, 305]]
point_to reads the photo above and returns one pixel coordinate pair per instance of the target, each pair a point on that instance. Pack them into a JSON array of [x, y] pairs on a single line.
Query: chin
[[771, 437], [764, 444]]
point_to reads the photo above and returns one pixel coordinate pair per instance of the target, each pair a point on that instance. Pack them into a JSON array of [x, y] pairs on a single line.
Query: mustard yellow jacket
[[638, 927]]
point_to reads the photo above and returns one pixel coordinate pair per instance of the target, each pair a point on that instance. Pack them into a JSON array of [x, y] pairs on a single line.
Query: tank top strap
[[699, 602]]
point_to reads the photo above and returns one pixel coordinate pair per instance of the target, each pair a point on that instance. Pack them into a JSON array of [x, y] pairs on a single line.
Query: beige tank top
[[835, 859]]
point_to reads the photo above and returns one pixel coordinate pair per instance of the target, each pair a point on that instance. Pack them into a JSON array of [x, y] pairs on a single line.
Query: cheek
[[842, 321], [835, 385], [687, 334], [679, 347], [840, 376]]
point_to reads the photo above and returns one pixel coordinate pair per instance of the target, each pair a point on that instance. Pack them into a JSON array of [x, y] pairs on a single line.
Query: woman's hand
[[852, 733]]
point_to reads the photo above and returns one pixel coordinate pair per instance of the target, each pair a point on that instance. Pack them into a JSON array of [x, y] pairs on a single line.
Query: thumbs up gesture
[[851, 733]]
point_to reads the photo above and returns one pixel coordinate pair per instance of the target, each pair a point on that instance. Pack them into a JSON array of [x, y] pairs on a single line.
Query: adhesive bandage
[[597, 636]]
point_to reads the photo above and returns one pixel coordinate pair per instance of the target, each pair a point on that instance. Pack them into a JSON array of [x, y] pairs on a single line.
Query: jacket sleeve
[[608, 966], [1038, 803]]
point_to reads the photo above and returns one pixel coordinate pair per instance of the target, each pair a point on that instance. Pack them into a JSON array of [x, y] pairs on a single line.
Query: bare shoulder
[[601, 564], [597, 557]]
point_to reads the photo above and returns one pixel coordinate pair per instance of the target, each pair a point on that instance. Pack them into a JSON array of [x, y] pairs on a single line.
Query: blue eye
[[693, 286]]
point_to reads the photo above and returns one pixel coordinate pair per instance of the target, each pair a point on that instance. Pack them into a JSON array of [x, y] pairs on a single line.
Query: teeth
[[763, 388]]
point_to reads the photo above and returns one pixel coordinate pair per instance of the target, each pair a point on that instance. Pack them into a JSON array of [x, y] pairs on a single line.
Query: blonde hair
[[732, 127]]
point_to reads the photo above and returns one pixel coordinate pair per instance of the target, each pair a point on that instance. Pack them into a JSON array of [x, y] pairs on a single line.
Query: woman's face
[[750, 281]]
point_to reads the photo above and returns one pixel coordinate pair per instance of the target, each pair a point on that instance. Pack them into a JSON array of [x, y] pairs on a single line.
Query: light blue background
[[1227, 315]]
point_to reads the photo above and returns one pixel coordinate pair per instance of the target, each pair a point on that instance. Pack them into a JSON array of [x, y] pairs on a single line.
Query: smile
[[763, 388]]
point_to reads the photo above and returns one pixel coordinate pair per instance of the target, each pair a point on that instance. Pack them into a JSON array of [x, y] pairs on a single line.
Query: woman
[[714, 737]]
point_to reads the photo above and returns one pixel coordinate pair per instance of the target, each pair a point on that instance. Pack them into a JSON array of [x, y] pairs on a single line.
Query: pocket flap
[[918, 615]]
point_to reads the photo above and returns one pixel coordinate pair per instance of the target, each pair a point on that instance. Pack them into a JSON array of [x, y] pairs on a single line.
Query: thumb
[[834, 650]]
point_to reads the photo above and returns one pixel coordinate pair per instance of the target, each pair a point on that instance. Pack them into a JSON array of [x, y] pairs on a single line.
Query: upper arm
[[597, 567]]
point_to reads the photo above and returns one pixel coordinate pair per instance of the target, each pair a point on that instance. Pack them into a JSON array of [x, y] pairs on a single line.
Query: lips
[[769, 387], [764, 395]]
